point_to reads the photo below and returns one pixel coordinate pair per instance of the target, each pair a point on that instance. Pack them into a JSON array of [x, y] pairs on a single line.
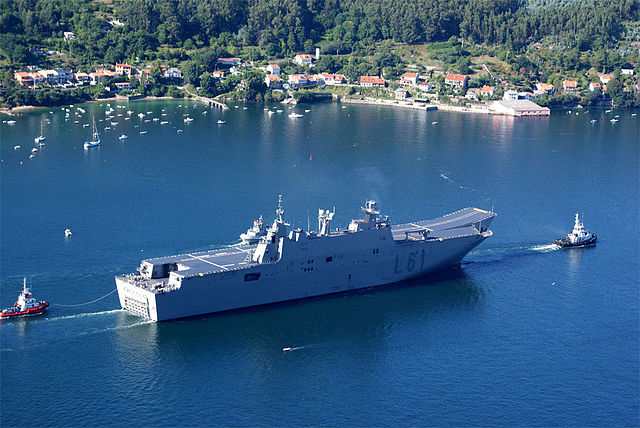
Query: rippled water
[[521, 334]]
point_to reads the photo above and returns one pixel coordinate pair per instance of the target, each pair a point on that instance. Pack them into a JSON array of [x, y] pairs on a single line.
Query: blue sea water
[[521, 334]]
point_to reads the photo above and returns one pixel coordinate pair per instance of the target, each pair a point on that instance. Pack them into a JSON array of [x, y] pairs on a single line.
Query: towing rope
[[86, 303]]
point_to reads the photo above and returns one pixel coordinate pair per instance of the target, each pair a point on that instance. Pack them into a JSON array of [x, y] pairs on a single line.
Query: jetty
[[206, 100]]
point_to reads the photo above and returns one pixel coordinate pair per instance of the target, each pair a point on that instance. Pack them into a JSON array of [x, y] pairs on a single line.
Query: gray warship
[[295, 264]]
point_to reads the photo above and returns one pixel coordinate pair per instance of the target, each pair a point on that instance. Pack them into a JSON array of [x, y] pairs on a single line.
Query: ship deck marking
[[210, 262]]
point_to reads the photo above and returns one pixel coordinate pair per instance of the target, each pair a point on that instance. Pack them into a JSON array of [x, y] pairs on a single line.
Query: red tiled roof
[[409, 75], [455, 77], [570, 84], [487, 88], [372, 79], [123, 65]]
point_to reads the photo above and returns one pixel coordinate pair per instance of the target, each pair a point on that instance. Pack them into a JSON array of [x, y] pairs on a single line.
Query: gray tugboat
[[578, 237], [294, 264]]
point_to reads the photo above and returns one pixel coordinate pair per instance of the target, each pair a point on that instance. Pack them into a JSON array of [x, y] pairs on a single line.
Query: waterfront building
[[487, 91], [218, 75], [372, 81], [409, 79], [23, 78], [519, 108]]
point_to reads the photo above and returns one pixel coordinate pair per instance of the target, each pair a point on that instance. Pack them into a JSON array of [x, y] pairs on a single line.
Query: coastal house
[[303, 59], [64, 75], [273, 69], [120, 86], [473, 94], [409, 79], [82, 77], [298, 80], [23, 78], [123, 69], [229, 61], [273, 81], [50, 76], [37, 78], [594, 85], [173, 73], [569, 85], [96, 77], [372, 81], [487, 91], [627, 70], [401, 94], [605, 78], [544, 88], [456, 80], [510, 95], [426, 86], [218, 75], [68, 35]]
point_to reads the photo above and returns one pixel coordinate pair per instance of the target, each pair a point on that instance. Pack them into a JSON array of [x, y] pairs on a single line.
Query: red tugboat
[[25, 305]]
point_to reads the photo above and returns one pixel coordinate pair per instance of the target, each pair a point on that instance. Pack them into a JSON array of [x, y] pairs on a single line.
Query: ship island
[[291, 263]]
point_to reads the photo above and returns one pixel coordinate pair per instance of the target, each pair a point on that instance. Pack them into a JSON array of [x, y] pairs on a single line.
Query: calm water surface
[[521, 334]]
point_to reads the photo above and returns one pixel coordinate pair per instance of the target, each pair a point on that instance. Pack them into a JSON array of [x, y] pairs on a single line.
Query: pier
[[206, 100]]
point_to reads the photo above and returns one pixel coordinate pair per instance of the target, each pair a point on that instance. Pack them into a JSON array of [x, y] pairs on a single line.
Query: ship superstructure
[[291, 263]]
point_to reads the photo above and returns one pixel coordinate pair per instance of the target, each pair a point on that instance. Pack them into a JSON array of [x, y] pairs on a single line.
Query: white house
[[173, 72], [273, 69], [303, 59]]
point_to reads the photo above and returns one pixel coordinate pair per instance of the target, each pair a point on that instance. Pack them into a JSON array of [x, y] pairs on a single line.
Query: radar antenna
[[280, 210]]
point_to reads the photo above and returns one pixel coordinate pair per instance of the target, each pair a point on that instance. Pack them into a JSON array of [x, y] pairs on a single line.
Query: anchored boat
[[25, 305], [578, 237], [254, 233]]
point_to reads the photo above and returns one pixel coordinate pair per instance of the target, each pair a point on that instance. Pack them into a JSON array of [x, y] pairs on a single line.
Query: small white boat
[[221, 122], [140, 115], [122, 137], [633, 114], [278, 111], [613, 120], [106, 128], [270, 112], [143, 132], [244, 108], [129, 112], [149, 112], [34, 150], [434, 123], [594, 120], [86, 125], [607, 111], [114, 123], [179, 131], [294, 115], [67, 232], [95, 138], [164, 122], [11, 122], [147, 120], [344, 106], [32, 155], [188, 119], [16, 147], [155, 119], [307, 111], [164, 114]]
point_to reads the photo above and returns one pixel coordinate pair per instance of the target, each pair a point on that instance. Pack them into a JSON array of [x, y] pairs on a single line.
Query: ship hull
[[281, 282]]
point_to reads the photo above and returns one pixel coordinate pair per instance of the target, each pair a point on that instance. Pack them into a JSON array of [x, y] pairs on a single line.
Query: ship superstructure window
[[376, 251], [252, 276]]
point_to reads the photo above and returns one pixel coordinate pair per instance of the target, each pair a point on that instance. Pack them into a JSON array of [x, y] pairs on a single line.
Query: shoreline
[[419, 106], [21, 109]]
